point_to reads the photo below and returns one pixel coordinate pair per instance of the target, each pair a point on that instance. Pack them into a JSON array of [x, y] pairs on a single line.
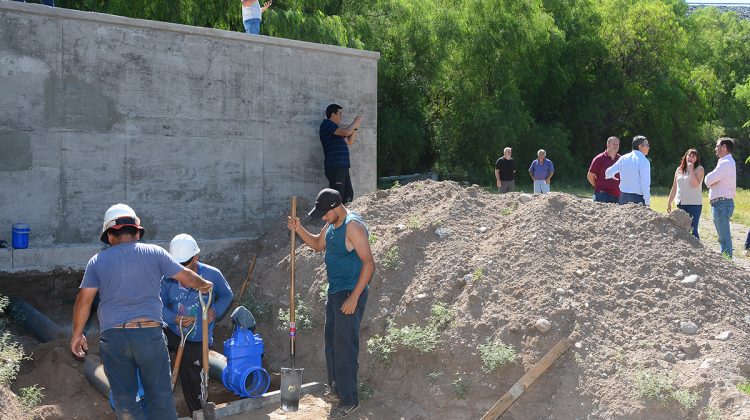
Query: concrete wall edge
[[39, 9]]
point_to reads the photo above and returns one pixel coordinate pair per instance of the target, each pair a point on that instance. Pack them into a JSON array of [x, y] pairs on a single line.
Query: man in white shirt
[[635, 173], [722, 187], [251, 15]]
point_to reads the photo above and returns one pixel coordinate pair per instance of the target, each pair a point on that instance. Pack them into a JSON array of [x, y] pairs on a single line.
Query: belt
[[717, 199], [139, 324]]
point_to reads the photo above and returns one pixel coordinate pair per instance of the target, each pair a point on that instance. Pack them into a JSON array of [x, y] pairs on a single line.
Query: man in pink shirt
[[722, 187], [605, 190]]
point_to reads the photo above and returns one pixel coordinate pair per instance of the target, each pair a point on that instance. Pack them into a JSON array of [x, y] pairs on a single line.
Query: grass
[[11, 352], [495, 355], [415, 223], [461, 388], [477, 275], [744, 387], [258, 304], [658, 386], [302, 316], [421, 338], [30, 397], [392, 259]]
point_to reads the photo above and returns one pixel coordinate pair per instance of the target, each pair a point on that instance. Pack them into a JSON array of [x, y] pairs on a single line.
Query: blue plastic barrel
[[20, 236]]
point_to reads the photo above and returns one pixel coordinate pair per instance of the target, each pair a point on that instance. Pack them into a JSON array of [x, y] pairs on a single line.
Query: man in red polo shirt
[[605, 190]]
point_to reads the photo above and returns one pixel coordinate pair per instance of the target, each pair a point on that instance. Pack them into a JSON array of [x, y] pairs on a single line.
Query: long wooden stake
[[247, 279], [527, 379]]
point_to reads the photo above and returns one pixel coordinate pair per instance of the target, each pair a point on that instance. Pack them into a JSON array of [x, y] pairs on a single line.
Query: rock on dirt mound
[[467, 271]]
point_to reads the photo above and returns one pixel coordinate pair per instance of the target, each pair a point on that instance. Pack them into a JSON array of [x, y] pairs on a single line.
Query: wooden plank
[[527, 379], [249, 404]]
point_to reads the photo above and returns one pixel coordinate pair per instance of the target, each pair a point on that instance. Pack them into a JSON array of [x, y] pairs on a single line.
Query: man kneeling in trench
[[349, 265]]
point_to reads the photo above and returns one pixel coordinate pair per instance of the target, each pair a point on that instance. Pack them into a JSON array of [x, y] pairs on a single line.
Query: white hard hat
[[118, 216], [183, 247]]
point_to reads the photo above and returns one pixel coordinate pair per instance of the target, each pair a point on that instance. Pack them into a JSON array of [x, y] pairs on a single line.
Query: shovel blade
[[291, 385]]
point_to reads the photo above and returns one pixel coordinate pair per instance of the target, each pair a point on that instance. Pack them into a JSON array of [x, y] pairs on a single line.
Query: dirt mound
[[647, 300]]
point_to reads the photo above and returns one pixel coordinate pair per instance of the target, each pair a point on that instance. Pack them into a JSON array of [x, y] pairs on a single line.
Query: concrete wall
[[199, 130]]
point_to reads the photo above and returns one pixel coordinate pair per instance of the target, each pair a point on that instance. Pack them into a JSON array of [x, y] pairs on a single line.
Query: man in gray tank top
[[127, 276], [349, 266]]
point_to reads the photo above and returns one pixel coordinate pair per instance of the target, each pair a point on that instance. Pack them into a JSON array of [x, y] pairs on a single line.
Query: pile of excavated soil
[[629, 281], [642, 295]]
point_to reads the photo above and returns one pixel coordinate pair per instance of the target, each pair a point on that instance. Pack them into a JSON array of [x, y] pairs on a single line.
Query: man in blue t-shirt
[[541, 171], [336, 141], [349, 266], [181, 304], [127, 276]]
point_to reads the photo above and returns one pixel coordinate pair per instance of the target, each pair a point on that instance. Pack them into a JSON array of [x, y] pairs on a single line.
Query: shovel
[[291, 378], [180, 350], [208, 407]]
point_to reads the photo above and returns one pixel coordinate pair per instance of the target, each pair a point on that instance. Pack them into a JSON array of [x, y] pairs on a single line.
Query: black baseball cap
[[327, 199]]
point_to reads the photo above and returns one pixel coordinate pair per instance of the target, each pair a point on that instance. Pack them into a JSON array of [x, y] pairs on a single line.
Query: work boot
[[343, 410]]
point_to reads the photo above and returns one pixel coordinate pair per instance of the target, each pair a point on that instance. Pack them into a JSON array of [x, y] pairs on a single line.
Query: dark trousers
[[694, 210], [342, 345], [604, 197], [190, 369], [626, 198], [339, 180]]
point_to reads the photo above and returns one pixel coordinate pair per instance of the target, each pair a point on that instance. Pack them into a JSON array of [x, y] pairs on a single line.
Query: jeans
[[122, 351], [722, 210], [604, 197], [342, 345], [252, 26], [506, 187], [190, 372], [694, 210], [626, 198], [339, 180], [541, 186], [747, 241]]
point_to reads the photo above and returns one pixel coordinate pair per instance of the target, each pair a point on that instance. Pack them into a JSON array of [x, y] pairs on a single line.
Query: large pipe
[[94, 371], [35, 322], [216, 365]]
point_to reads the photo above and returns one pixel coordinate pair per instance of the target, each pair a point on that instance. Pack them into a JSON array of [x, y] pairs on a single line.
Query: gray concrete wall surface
[[200, 130]]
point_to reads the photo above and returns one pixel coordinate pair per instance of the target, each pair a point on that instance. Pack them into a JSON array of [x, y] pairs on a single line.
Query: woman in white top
[[252, 14], [686, 187]]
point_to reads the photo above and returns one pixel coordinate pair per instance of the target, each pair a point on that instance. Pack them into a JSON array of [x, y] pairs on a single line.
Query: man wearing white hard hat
[[127, 276], [181, 303]]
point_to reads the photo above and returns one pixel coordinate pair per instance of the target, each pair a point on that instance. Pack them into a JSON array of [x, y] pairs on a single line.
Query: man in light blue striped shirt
[[635, 173]]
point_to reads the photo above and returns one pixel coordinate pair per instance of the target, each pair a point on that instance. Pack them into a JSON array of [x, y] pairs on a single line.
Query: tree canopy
[[460, 80]]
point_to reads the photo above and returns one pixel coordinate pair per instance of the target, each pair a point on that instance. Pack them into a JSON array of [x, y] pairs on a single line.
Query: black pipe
[[35, 322]]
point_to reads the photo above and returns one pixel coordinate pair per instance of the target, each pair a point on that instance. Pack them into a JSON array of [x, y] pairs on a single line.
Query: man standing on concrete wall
[[181, 304], [127, 276], [349, 266], [505, 172], [252, 14], [722, 187], [336, 141]]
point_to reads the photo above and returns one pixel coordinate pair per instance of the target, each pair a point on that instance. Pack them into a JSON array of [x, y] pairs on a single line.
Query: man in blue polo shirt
[[336, 141], [181, 304], [541, 171]]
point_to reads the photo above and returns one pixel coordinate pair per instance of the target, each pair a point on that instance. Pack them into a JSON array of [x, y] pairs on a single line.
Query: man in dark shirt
[[505, 172], [336, 141], [605, 190]]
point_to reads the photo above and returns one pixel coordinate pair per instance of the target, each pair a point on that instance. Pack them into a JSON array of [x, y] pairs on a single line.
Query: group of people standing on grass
[[627, 179]]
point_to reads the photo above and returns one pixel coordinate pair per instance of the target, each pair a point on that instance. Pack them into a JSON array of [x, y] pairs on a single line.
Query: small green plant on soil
[[258, 304], [686, 398], [302, 316], [30, 397], [658, 386], [323, 292], [392, 259], [395, 185], [495, 355], [364, 392], [422, 338], [477, 275], [506, 211], [712, 413], [415, 223], [372, 239], [460, 387], [11, 352], [434, 376], [744, 387]]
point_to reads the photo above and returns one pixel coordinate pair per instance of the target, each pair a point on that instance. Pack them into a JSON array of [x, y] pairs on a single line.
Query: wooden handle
[[205, 348], [177, 361], [291, 263]]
